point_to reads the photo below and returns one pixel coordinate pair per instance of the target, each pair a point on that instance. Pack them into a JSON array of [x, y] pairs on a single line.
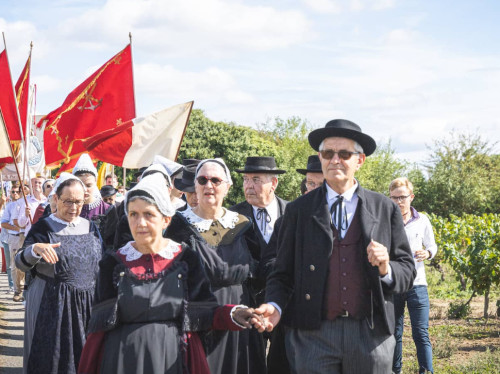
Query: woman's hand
[[243, 316], [47, 252]]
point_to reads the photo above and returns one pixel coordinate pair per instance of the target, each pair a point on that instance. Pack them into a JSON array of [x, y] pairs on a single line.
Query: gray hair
[[357, 146]]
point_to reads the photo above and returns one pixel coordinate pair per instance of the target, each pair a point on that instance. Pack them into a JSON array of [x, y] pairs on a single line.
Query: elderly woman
[[62, 252], [217, 235], [153, 294]]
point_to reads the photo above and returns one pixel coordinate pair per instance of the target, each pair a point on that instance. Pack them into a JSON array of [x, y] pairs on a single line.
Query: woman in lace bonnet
[[217, 235], [152, 297]]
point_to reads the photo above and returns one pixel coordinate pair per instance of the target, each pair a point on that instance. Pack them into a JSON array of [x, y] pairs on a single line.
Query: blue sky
[[409, 71]]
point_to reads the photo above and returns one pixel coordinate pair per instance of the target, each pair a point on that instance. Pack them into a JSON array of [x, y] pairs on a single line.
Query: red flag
[[135, 143], [7, 99], [103, 101], [22, 92]]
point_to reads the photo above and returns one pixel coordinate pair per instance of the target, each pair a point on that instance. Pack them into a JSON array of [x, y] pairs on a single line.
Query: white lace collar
[[54, 218], [95, 203], [132, 254], [228, 219]]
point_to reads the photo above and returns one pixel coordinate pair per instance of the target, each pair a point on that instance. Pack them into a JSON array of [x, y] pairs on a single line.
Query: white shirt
[[10, 212], [33, 203], [272, 211], [350, 203], [420, 236]]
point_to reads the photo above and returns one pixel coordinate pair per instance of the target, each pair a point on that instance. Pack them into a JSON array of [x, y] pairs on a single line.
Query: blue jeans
[[417, 300], [6, 253]]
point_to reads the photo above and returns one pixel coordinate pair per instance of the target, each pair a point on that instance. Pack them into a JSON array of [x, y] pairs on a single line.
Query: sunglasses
[[12, 191], [204, 180], [328, 154]]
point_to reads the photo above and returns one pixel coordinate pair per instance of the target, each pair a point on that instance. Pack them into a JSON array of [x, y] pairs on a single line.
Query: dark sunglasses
[[328, 154], [16, 191], [204, 180]]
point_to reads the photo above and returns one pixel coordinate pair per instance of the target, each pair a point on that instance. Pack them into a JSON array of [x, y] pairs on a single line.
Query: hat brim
[[183, 187], [305, 171], [261, 171], [317, 136]]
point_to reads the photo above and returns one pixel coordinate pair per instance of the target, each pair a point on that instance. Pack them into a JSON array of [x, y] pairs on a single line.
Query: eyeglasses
[[49, 186], [12, 191], [328, 154], [69, 203], [255, 180], [313, 184], [399, 199], [202, 180]]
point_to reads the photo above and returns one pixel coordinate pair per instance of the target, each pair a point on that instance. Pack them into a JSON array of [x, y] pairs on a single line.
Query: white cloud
[[339, 6]]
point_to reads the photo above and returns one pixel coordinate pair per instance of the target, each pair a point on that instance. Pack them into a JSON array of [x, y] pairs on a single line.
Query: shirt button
[[344, 288], [344, 274], [345, 303], [308, 297], [312, 267], [344, 260], [148, 258]]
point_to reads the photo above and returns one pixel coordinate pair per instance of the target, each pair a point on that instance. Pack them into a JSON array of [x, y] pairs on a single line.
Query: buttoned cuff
[[387, 279]]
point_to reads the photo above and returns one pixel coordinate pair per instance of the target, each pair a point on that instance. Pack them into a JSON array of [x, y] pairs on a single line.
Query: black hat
[[313, 165], [108, 190], [139, 172], [261, 165], [186, 183], [190, 161], [344, 129]]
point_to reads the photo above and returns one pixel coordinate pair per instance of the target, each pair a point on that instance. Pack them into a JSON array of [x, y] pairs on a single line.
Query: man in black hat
[[186, 185], [264, 208], [108, 194], [342, 254], [313, 173]]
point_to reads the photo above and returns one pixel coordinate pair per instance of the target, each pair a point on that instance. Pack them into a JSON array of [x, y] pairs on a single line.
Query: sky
[[409, 72]]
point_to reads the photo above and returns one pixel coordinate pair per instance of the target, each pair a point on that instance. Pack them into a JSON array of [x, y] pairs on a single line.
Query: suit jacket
[[258, 247], [305, 243]]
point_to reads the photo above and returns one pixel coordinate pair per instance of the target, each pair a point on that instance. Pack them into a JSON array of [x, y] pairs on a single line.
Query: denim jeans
[[417, 300], [6, 253]]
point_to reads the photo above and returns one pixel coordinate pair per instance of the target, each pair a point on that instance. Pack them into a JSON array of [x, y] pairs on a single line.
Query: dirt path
[[11, 331]]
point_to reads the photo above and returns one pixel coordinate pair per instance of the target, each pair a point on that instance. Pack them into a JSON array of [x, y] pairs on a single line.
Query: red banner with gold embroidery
[[101, 102], [22, 92]]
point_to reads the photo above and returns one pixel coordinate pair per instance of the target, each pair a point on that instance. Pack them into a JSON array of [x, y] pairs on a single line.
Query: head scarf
[[157, 168], [170, 166], [154, 186], [85, 164], [63, 178], [218, 161]]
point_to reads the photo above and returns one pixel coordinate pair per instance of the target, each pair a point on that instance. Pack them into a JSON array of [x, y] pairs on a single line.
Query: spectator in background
[[423, 247], [313, 173], [186, 185], [108, 194], [47, 187], [111, 180]]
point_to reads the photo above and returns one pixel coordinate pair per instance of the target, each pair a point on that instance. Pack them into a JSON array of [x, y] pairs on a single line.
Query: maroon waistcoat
[[346, 288]]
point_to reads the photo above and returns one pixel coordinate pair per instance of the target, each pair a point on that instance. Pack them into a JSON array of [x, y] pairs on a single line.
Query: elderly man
[[94, 208], [342, 254], [264, 208], [313, 173]]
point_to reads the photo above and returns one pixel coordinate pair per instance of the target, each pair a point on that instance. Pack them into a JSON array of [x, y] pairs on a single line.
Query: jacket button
[[308, 297], [312, 268]]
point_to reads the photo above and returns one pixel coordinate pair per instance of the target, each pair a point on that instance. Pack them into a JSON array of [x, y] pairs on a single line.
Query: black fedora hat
[[190, 161], [313, 165], [108, 190], [342, 128], [261, 165], [186, 183]]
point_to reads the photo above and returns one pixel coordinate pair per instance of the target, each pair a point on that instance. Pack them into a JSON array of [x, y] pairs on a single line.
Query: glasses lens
[[345, 155], [69, 203], [327, 154], [202, 180], [12, 191]]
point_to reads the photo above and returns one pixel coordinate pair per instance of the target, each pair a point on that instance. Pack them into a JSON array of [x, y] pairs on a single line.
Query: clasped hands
[[263, 318]]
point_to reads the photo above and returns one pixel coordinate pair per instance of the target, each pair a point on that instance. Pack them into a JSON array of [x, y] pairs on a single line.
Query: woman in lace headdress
[[62, 252], [217, 234], [152, 297]]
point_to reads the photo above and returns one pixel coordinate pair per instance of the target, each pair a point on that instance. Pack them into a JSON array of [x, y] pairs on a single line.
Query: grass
[[470, 345]]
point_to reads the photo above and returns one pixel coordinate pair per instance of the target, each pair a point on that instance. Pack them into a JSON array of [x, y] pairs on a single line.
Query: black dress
[[229, 265]]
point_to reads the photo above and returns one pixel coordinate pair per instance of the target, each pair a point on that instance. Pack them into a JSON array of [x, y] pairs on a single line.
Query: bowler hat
[[186, 183], [342, 128], [313, 165], [108, 190], [261, 165]]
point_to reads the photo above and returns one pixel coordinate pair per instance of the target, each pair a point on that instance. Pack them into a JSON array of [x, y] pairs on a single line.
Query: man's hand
[[46, 250], [421, 255], [27, 211], [378, 255], [270, 318]]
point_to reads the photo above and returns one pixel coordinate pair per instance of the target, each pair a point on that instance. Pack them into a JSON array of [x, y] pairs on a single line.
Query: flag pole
[[15, 162], [135, 108], [17, 108], [184, 132]]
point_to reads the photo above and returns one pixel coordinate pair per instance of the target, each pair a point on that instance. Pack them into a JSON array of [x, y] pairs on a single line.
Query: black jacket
[[305, 244]]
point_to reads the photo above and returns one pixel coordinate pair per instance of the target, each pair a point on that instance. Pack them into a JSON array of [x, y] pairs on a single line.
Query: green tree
[[462, 177]]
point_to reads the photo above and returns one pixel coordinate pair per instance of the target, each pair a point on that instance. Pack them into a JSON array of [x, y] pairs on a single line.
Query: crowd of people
[[163, 277]]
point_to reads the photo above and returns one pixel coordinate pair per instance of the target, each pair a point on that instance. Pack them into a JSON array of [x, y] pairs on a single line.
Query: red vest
[[346, 288]]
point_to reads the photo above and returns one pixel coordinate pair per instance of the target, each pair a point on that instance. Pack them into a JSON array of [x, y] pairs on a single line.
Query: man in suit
[[342, 254], [264, 208]]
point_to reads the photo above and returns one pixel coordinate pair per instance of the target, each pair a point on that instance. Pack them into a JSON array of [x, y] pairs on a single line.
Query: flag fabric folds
[[22, 93], [102, 102], [8, 100], [135, 143], [5, 150]]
